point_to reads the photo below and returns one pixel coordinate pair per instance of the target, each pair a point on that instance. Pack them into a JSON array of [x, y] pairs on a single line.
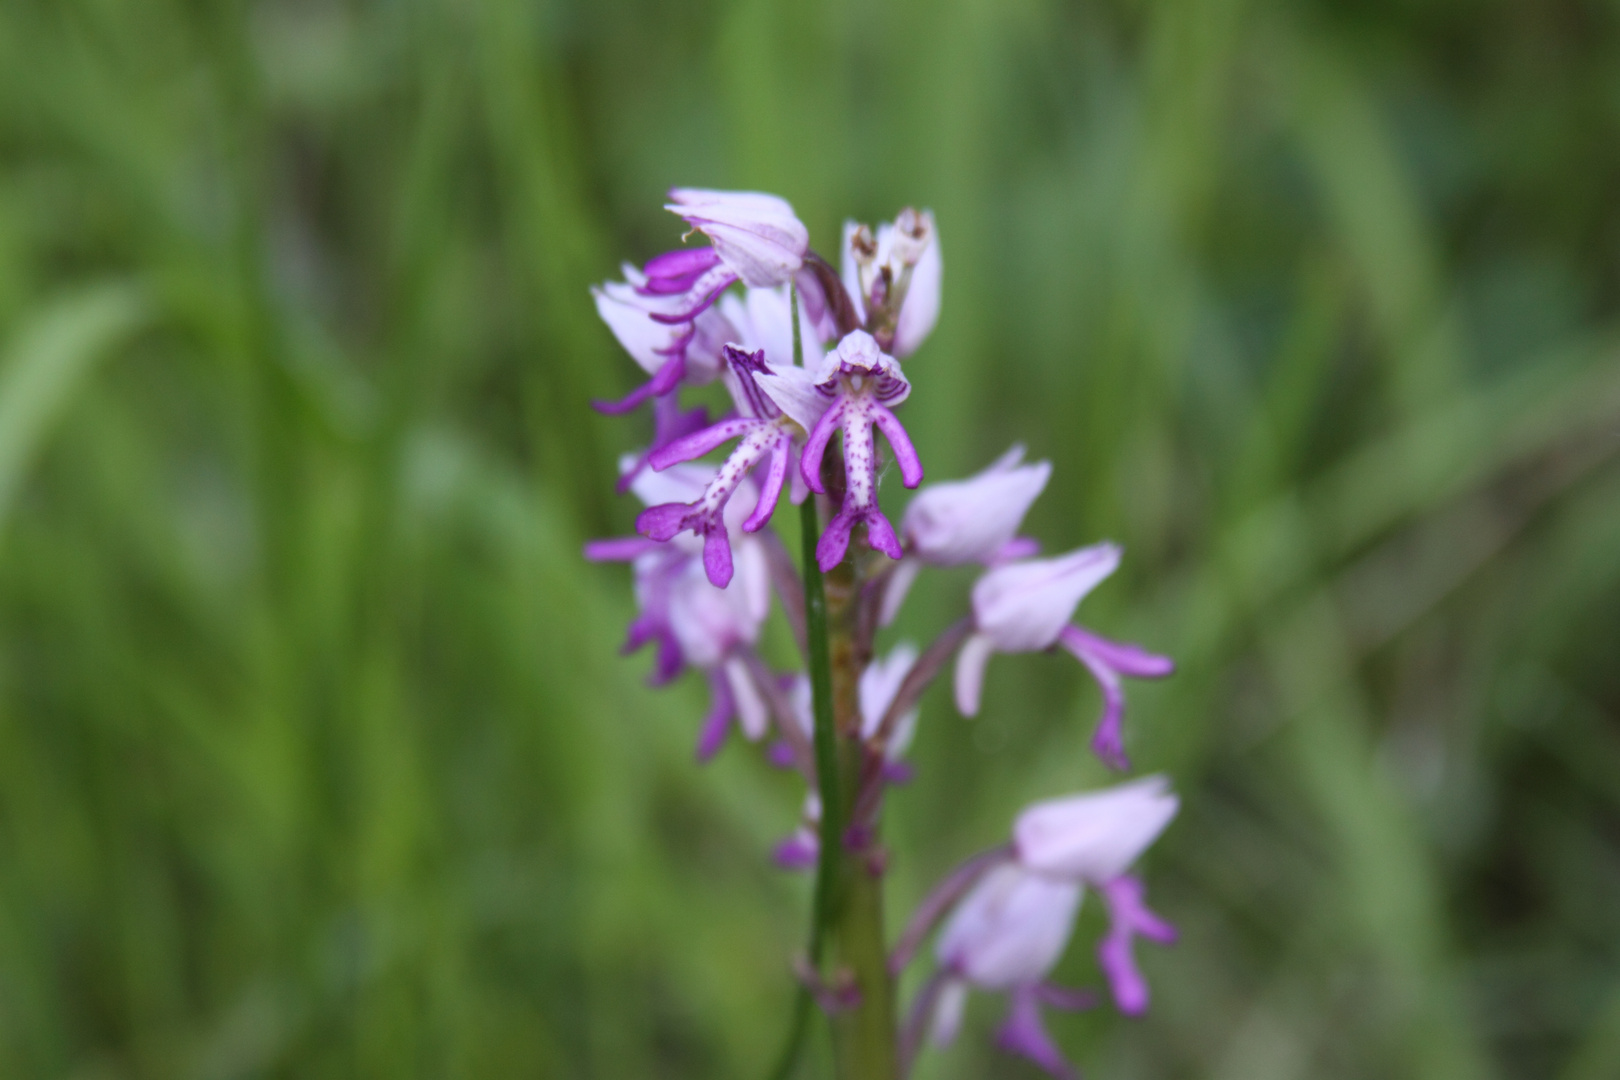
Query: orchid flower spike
[[967, 521], [763, 430], [1005, 936], [756, 240], [860, 383], [1026, 607], [894, 278]]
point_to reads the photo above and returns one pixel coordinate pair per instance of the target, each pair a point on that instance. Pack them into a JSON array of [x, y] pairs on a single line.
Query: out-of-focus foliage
[[316, 758]]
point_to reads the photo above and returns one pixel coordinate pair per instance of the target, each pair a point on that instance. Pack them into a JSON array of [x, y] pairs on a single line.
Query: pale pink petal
[[920, 310], [897, 587], [1025, 605], [1095, 836], [970, 664]]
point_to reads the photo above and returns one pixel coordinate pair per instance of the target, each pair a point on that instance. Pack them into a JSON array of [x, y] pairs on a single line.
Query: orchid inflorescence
[[807, 352]]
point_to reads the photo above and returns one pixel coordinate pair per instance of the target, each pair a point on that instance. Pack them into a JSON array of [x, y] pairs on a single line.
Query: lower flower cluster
[[811, 361]]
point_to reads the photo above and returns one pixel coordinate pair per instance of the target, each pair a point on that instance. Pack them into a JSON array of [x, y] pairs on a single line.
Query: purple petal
[[897, 587], [718, 720], [1128, 896], [667, 378], [618, 549], [698, 443], [775, 476], [880, 534], [642, 629], [669, 424], [1125, 658], [662, 522], [670, 661], [1025, 1034], [911, 470], [780, 755], [746, 368], [815, 447], [796, 853], [1129, 916], [682, 262], [1108, 742], [717, 556], [703, 293], [1130, 989], [923, 1015], [835, 540]]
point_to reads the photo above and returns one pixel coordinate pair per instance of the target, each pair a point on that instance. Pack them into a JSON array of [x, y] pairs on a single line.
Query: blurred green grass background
[[316, 755]]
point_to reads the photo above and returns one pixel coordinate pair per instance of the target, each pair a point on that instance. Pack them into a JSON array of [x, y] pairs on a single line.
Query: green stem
[[824, 735], [819, 656], [826, 749], [849, 895], [864, 1035]]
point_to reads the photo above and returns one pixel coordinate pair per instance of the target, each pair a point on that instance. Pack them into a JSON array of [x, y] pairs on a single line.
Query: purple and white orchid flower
[[1005, 936], [861, 384], [1013, 908], [756, 240], [967, 521], [764, 431], [1026, 606], [893, 278], [1093, 838], [685, 352], [692, 621]]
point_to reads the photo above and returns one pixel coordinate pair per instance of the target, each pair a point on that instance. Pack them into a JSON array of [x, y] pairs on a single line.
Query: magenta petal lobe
[[834, 541], [815, 448], [1024, 1033], [618, 549], [880, 534], [698, 443], [661, 523], [905, 454], [775, 476], [717, 557]]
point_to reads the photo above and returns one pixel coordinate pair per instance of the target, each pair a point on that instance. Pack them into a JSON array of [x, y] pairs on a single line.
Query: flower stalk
[[849, 895], [811, 359]]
